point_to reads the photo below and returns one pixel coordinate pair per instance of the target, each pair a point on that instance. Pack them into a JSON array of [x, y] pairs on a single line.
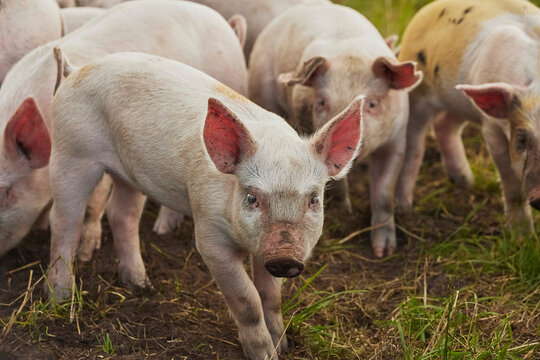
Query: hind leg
[[91, 231], [448, 128], [124, 213], [72, 182], [167, 221]]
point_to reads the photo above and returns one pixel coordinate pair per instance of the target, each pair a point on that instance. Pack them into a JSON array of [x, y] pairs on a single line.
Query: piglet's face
[[336, 82], [520, 107], [277, 203], [24, 154]]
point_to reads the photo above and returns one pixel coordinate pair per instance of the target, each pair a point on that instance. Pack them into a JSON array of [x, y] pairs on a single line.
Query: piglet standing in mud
[[309, 72], [252, 184], [181, 30], [480, 59]]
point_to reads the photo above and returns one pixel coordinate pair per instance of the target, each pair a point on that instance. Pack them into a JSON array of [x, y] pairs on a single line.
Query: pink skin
[[309, 73], [252, 181], [496, 86], [32, 81], [25, 25]]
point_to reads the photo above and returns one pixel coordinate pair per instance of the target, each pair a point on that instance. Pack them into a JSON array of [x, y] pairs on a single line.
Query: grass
[[107, 346]]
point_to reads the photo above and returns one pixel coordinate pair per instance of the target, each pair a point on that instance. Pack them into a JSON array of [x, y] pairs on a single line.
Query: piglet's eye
[[314, 201], [522, 140], [373, 104], [251, 199]]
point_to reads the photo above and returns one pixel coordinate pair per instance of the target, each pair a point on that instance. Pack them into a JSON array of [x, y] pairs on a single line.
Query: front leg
[[516, 209], [385, 166], [225, 261], [269, 288]]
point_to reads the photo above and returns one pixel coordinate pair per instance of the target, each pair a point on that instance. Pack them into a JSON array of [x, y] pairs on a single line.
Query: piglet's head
[[335, 82], [519, 107], [24, 190], [276, 208]]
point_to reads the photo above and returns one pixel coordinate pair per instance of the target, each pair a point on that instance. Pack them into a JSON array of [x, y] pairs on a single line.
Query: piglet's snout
[[534, 198], [283, 251], [284, 267]]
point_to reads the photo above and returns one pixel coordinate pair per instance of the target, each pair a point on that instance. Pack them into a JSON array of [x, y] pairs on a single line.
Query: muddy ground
[[186, 317]]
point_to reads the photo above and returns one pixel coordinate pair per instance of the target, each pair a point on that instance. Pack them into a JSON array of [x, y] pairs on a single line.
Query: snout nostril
[[284, 267], [535, 203]]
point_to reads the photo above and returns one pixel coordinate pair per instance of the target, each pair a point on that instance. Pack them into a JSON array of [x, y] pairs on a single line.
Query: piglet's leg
[[124, 212], [516, 208], [72, 182], [167, 221], [421, 112], [91, 231], [269, 288], [448, 128], [384, 170], [225, 262]]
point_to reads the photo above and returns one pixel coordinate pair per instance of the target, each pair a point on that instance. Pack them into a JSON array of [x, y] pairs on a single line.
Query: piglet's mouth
[[534, 198], [284, 267]]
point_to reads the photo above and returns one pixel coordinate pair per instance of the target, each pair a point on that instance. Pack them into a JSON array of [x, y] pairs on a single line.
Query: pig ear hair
[[307, 73], [27, 135], [497, 99], [339, 142], [397, 75], [227, 140], [239, 25], [64, 67]]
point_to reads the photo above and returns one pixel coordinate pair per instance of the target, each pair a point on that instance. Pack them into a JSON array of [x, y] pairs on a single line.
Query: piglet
[[75, 17], [311, 62], [253, 186], [185, 31], [258, 13], [25, 25], [481, 64]]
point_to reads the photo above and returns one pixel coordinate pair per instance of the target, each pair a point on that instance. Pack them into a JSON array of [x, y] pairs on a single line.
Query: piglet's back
[[159, 102]]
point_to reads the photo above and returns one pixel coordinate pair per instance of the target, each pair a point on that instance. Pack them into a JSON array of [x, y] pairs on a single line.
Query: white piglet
[[25, 25], [311, 62], [75, 17], [253, 186], [184, 31]]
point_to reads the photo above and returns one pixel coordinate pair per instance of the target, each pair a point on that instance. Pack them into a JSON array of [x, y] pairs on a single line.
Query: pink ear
[[239, 25], [27, 134], [397, 75], [339, 141], [496, 100], [308, 74], [226, 139]]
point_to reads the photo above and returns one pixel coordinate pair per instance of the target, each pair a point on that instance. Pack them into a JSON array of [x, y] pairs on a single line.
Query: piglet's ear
[[307, 74], [27, 135], [239, 25], [227, 140], [397, 75], [497, 99], [339, 142]]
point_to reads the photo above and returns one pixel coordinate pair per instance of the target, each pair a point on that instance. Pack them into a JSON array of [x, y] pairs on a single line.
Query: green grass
[[325, 341], [107, 346]]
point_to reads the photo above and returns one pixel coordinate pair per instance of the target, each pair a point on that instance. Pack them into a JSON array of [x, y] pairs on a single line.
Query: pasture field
[[462, 284]]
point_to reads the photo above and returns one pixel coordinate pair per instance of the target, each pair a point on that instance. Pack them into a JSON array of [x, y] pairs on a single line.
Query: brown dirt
[[188, 319]]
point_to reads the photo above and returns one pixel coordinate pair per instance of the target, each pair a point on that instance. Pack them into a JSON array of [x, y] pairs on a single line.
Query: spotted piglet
[[252, 184], [311, 62], [480, 60]]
